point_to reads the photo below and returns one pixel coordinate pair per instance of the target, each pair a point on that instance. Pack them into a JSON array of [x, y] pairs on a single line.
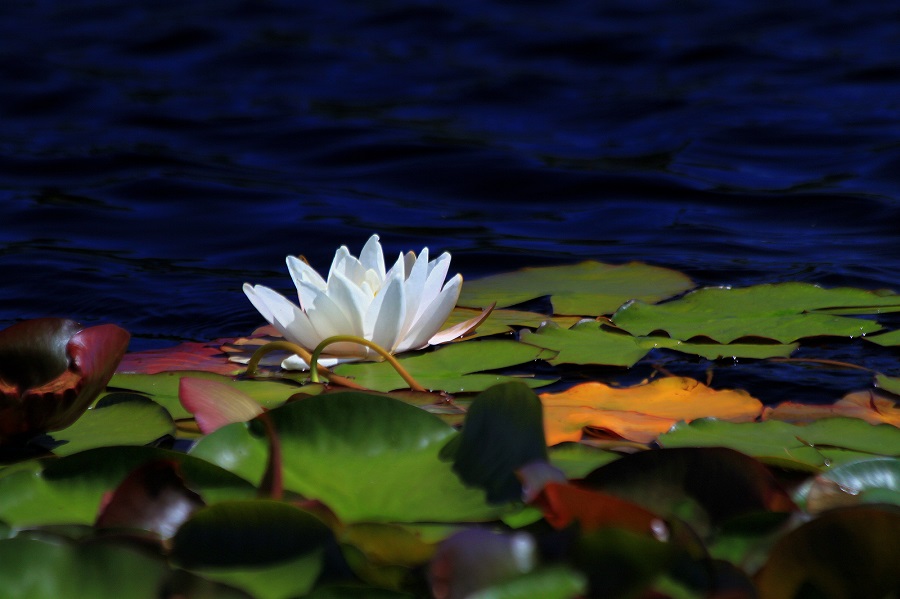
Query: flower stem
[[313, 362], [253, 364]]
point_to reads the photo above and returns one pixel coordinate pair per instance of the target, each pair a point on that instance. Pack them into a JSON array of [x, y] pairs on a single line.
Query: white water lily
[[400, 310]]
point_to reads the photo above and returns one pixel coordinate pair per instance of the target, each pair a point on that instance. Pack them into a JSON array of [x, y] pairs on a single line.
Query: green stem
[[413, 384], [253, 364]]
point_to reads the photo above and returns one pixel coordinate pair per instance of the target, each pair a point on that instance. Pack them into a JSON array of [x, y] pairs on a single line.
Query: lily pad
[[643, 412], [163, 388], [69, 490], [367, 457], [784, 312], [589, 342], [506, 321], [454, 368], [875, 480], [586, 289], [814, 446], [117, 419], [270, 549]]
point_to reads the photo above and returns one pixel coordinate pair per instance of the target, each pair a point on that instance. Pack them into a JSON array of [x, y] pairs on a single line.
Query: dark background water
[[156, 155]]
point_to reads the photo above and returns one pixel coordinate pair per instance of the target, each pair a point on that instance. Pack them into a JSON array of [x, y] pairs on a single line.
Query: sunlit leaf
[[889, 339], [872, 406], [814, 446], [589, 342], [367, 457], [643, 412], [453, 368], [588, 289], [69, 490], [849, 552], [506, 321], [163, 388], [503, 431], [272, 550], [891, 384], [784, 312], [117, 419]]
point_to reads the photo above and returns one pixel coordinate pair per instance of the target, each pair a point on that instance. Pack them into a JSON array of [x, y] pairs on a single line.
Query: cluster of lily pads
[[184, 473]]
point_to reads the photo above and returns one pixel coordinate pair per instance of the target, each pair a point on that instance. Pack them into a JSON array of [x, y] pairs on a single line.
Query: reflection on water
[[155, 155]]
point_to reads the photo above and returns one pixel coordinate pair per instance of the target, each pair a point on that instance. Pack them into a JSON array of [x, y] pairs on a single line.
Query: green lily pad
[[814, 446], [502, 432], [68, 490], [576, 460], [506, 321], [784, 312], [163, 388], [117, 419], [455, 368], [889, 339], [270, 549], [367, 457], [891, 384], [586, 289], [589, 342]]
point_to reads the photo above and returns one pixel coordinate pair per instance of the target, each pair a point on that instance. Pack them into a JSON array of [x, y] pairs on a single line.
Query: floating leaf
[[357, 453], [871, 406], [589, 342], [587, 289], [889, 339], [849, 552], [643, 412], [564, 504], [271, 549], [454, 368], [784, 312], [384, 554], [506, 321], [891, 384], [814, 446], [163, 388], [69, 490], [117, 419], [206, 357], [38, 569], [502, 431]]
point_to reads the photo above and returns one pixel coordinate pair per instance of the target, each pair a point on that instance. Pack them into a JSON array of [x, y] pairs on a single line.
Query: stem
[[314, 362], [253, 364]]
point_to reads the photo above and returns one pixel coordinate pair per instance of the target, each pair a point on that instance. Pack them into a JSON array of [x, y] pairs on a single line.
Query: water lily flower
[[51, 370], [400, 309]]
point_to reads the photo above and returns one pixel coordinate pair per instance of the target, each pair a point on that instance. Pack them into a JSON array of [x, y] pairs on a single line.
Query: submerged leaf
[[587, 289]]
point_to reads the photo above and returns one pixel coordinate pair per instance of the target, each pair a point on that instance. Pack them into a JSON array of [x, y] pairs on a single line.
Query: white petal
[[434, 316], [387, 313], [328, 320], [437, 272], [283, 315], [372, 257], [347, 265], [417, 274], [353, 301], [301, 273]]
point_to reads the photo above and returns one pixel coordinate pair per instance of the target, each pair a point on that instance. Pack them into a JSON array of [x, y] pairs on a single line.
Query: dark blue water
[[156, 155]]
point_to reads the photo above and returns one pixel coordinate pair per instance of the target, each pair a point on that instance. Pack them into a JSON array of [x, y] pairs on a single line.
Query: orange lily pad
[[643, 412], [875, 407]]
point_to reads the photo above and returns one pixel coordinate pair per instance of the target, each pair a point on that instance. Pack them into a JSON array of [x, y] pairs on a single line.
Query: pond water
[[156, 155]]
